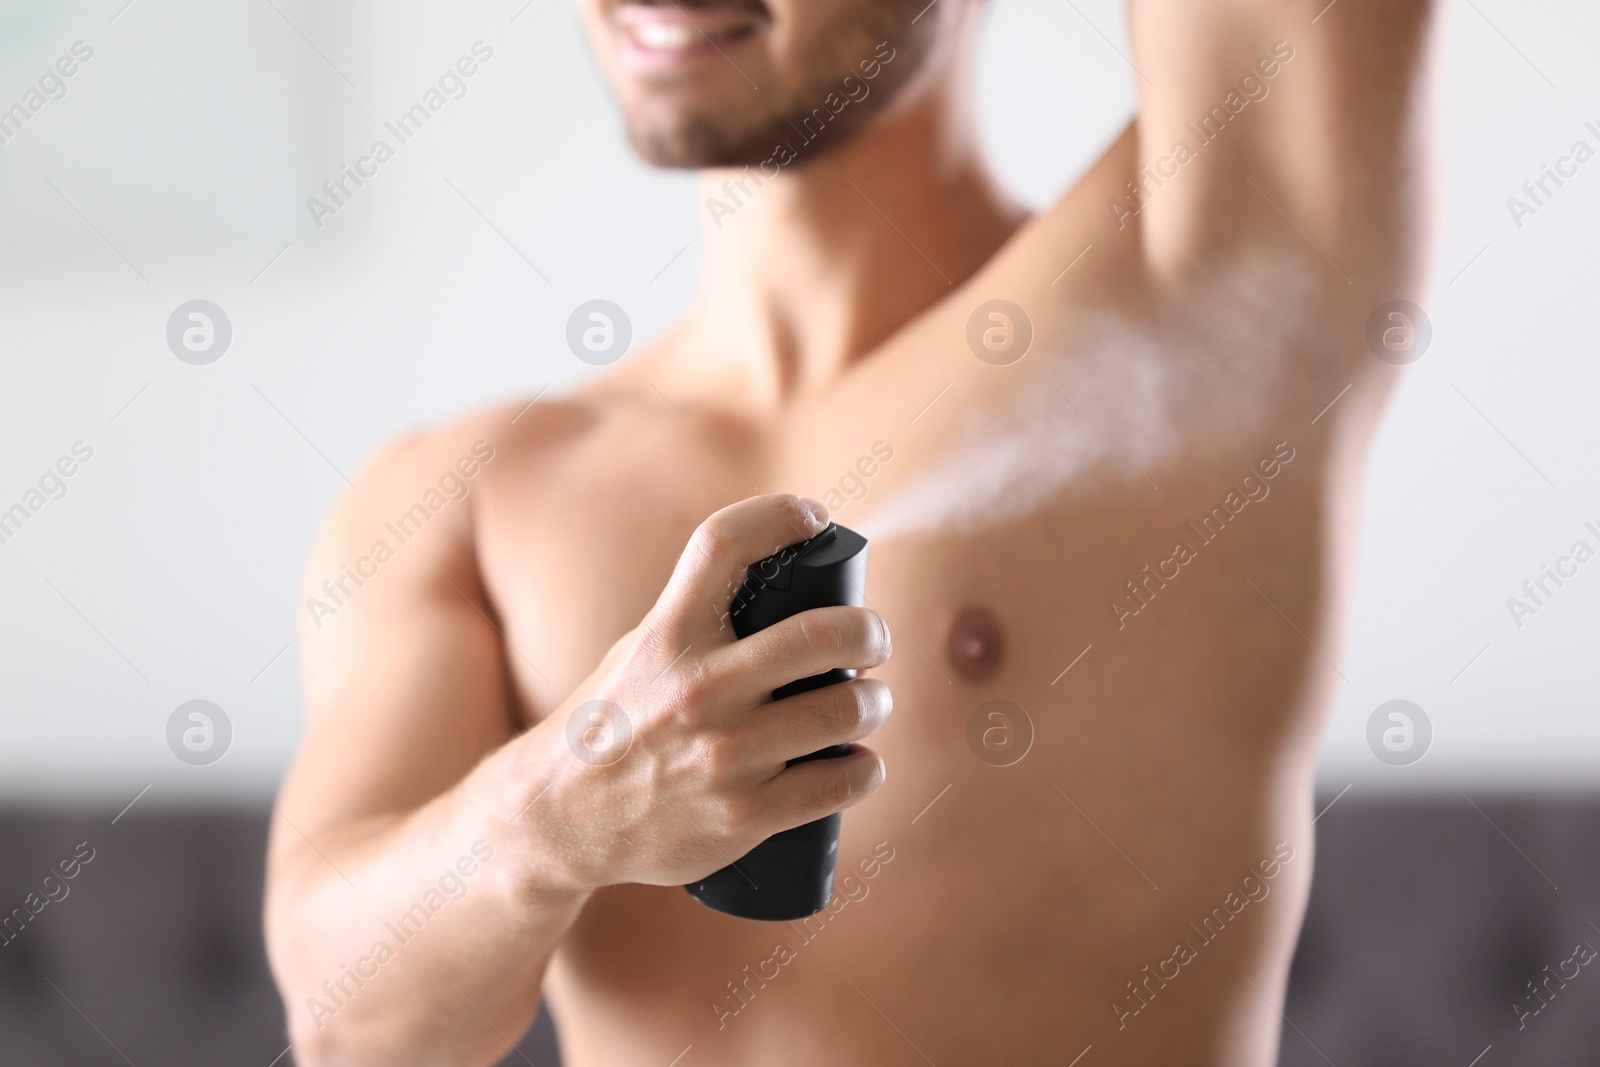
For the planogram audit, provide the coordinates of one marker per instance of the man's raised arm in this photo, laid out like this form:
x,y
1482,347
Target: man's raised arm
x,y
1260,118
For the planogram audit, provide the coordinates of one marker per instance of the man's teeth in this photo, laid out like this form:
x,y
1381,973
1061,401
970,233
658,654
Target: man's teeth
x,y
675,36
665,36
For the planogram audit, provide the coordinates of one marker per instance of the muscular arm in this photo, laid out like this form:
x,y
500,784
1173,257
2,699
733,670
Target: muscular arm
x,y
426,858
391,793
1302,116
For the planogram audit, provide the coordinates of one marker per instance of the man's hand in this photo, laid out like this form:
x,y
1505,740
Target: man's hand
x,y
405,764
669,761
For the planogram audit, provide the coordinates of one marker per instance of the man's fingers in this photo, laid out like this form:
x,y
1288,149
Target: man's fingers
x,y
810,643
695,603
806,722
820,787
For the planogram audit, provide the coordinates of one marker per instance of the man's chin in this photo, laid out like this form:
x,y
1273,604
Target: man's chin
x,y
699,146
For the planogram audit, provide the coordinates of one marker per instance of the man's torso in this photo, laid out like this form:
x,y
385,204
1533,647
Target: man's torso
x,y
1142,504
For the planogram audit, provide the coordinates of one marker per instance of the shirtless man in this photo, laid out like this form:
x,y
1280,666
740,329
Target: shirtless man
x,y
1122,501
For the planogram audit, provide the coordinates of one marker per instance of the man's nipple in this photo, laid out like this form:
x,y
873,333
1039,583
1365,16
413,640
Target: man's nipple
x,y
977,644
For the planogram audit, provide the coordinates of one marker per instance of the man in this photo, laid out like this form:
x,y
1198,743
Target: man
x,y
1109,458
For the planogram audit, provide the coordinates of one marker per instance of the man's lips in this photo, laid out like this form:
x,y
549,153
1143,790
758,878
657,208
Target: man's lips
x,y
655,36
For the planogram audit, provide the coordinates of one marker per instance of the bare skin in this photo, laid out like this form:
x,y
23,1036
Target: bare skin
x,y
997,915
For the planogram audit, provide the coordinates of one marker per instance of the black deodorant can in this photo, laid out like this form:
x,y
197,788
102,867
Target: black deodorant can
x,y
790,874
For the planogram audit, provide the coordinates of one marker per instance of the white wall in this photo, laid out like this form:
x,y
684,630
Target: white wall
x,y
177,167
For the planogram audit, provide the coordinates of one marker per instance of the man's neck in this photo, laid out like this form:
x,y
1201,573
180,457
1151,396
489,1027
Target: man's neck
x,y
817,267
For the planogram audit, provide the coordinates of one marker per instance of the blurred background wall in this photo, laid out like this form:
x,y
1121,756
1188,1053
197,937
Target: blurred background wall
x,y
176,162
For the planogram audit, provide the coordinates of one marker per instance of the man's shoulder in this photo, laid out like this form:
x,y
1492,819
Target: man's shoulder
x,y
444,472
526,432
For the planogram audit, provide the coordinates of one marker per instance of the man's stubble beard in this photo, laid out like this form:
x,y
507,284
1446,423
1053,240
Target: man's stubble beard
x,y
721,137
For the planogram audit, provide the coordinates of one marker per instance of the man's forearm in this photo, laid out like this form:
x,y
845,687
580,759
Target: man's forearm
x,y
418,938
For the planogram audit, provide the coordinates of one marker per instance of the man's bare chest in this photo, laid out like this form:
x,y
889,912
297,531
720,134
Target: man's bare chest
x,y
996,568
